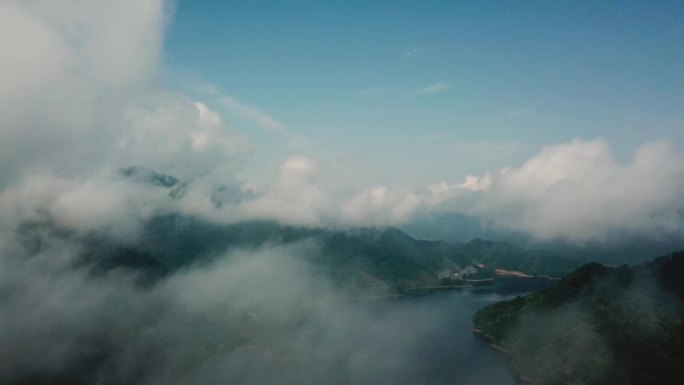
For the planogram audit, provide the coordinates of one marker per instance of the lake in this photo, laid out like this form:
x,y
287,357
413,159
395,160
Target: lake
x,y
445,350
425,339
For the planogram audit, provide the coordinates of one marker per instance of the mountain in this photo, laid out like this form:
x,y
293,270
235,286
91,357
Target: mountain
x,y
619,247
368,256
378,255
598,325
506,256
451,227
144,175
358,257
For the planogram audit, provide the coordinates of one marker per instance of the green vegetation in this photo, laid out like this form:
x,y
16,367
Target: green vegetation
x,y
360,257
598,325
509,257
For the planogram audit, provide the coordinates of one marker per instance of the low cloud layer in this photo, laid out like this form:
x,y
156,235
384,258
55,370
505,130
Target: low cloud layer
x,y
578,191
255,316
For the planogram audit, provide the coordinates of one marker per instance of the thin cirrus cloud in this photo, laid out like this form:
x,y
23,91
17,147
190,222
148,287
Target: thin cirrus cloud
x,y
254,114
435,88
489,149
373,90
246,111
258,117
410,53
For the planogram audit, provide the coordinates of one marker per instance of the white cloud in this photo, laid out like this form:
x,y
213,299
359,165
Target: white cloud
x,y
575,191
297,197
379,206
80,100
435,88
579,191
172,134
68,77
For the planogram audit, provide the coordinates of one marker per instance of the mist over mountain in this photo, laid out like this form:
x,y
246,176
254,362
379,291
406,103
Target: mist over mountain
x,y
330,203
624,248
194,301
598,325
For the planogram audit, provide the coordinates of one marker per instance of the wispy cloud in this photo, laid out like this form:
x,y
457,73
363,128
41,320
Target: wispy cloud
x,y
435,88
258,117
251,113
408,54
522,111
301,143
433,136
373,90
490,149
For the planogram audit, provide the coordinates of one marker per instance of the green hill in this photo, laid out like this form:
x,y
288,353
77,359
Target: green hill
x,y
383,256
505,256
598,325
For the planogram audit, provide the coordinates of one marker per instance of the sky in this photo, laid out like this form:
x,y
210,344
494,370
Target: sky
x,y
415,92
556,121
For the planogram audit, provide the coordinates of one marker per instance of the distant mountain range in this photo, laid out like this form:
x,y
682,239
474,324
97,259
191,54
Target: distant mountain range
x,y
383,256
621,248
359,256
423,252
598,325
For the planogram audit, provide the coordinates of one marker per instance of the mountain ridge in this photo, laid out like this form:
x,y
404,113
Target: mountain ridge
x,y
598,325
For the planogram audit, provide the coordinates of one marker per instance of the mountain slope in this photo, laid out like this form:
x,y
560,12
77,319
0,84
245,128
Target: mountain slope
x,y
598,325
505,256
358,255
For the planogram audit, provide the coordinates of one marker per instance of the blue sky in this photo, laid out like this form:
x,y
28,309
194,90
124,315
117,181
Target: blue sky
x,y
557,120
420,91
